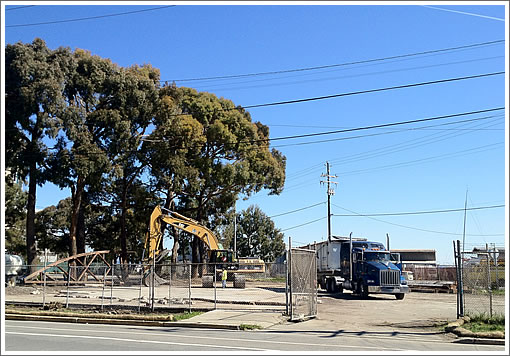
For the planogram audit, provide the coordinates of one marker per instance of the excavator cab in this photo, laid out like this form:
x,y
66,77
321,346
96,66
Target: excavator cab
x,y
223,259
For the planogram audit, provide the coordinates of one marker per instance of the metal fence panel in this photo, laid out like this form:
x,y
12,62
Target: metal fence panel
x,y
180,286
303,284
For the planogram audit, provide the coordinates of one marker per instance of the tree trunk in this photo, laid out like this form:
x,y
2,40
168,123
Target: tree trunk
x,y
123,233
32,187
77,199
80,233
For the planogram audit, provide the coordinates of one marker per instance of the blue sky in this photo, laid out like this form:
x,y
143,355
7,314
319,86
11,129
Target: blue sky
x,y
388,170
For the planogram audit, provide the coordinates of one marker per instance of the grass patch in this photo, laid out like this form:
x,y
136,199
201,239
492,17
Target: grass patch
x,y
249,327
186,315
483,323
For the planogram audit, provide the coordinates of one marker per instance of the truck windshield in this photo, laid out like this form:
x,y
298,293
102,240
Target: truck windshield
x,y
377,256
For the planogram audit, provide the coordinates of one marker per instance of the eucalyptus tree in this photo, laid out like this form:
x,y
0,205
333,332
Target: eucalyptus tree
x,y
34,100
223,155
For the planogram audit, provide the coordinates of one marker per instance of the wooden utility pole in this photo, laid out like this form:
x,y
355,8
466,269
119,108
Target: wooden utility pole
x,y
330,193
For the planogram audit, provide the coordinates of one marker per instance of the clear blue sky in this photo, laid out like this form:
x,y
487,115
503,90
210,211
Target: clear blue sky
x,y
389,172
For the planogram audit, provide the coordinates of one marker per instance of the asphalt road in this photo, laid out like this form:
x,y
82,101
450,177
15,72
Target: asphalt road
x,y
28,336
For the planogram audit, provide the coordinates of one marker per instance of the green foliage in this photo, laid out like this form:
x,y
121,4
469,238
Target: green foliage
x,y
249,327
52,227
257,235
110,126
483,322
186,315
15,215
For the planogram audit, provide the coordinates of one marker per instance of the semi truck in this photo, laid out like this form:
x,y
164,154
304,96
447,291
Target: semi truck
x,y
364,267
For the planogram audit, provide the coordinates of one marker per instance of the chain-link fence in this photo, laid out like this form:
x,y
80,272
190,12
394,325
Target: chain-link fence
x,y
303,284
137,286
483,282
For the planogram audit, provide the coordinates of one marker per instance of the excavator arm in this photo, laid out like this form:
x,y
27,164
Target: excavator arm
x,y
154,235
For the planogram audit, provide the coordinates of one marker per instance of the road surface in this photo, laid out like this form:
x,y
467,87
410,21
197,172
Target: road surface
x,y
28,336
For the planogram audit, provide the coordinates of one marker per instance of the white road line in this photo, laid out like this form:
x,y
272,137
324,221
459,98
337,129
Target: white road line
x,y
228,339
136,340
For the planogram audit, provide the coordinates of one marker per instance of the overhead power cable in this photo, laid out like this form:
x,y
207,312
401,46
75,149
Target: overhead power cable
x,y
338,64
306,223
381,125
421,212
293,211
19,7
414,228
368,91
89,18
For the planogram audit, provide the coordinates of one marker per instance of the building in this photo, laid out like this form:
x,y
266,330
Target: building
x,y
425,258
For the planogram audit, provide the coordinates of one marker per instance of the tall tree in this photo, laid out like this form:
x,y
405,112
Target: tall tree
x,y
81,159
231,156
34,82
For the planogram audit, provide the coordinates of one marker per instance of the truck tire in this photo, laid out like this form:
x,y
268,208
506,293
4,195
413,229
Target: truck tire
x,y
239,281
207,281
399,296
332,287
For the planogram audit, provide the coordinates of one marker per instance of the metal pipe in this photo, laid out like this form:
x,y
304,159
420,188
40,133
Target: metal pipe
x,y
189,288
111,287
350,257
44,285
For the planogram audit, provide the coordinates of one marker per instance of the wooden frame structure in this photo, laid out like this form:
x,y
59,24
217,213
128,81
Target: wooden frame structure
x,y
84,259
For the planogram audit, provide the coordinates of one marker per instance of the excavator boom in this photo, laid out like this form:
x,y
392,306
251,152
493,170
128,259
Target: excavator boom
x,y
154,235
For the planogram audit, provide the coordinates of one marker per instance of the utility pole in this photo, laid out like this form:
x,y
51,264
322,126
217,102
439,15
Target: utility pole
x,y
330,193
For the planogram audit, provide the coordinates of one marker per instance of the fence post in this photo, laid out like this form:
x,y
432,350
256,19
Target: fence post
x,y
460,257
111,286
140,289
44,283
104,283
489,287
214,284
189,287
68,281
153,277
457,275
170,282
289,266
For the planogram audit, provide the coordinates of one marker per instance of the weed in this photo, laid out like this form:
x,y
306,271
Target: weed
x,y
249,327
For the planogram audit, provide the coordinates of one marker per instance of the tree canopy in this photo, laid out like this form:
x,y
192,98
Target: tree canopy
x,y
122,144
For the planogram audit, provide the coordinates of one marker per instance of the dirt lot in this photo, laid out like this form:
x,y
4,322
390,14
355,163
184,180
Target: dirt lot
x,y
380,312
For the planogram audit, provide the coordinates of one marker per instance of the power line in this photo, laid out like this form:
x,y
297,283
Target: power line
x,y
368,91
414,228
293,211
369,135
226,86
19,7
307,223
338,64
383,125
422,212
90,18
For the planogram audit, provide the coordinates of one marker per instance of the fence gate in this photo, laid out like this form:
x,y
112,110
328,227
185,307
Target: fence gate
x,y
302,284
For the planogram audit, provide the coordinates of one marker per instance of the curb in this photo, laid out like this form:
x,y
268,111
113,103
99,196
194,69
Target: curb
x,y
480,341
80,320
468,337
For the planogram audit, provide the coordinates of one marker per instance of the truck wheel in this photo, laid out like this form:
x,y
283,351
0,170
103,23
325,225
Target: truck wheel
x,y
400,296
331,286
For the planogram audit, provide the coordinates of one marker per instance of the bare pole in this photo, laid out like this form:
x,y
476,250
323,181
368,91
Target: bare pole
x,y
330,192
464,233
44,285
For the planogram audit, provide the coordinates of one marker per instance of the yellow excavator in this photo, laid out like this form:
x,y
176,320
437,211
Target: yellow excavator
x,y
218,256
